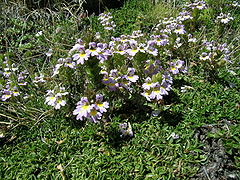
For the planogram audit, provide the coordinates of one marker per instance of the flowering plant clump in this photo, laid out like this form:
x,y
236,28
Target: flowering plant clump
x,y
118,68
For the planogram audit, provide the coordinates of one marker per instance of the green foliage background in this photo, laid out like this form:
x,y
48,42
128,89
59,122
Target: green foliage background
x,y
36,140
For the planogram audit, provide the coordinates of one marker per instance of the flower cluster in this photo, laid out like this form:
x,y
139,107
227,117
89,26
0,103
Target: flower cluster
x,y
106,21
80,54
172,31
130,46
184,15
169,32
197,5
214,52
114,80
178,66
169,26
155,90
11,71
91,111
224,18
12,80
63,62
159,81
9,92
22,76
56,98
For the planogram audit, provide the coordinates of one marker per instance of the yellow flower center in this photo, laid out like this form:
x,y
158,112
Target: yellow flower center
x,y
85,107
82,55
111,84
100,105
147,93
52,98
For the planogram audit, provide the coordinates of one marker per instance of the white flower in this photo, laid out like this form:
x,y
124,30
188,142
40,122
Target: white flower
x,y
224,18
191,38
178,43
205,56
97,35
38,79
56,99
174,136
49,53
56,69
51,98
59,103
39,33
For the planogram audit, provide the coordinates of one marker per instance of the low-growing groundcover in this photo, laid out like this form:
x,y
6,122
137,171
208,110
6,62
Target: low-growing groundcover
x,y
140,92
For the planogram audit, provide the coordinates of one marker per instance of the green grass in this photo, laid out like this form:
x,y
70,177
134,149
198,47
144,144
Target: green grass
x,y
37,142
92,152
